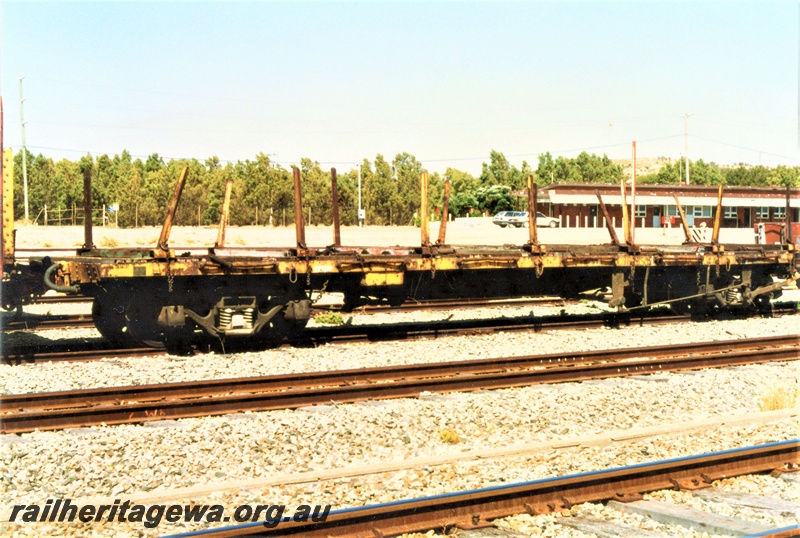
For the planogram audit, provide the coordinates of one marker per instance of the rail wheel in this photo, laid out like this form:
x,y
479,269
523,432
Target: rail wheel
x,y
141,318
108,315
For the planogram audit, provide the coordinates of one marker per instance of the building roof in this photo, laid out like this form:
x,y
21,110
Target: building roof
x,y
703,195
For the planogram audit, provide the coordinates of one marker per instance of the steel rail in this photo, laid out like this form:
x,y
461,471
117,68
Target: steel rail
x,y
92,352
373,332
217,387
41,323
45,411
477,508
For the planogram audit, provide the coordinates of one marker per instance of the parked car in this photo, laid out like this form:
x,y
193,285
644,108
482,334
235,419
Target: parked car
x,y
501,219
519,219
543,221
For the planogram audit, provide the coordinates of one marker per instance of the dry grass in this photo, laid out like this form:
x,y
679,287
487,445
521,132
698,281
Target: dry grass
x,y
449,436
778,397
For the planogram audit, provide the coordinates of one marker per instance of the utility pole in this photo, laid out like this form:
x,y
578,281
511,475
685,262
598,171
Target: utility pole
x,y
24,152
686,142
633,193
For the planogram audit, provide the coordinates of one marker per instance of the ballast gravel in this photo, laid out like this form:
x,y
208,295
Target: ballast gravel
x,y
122,461
109,372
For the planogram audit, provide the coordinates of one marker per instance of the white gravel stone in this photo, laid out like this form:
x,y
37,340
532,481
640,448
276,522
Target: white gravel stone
x,y
120,461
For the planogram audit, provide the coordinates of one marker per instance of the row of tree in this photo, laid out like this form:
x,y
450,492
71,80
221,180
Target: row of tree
x,y
263,190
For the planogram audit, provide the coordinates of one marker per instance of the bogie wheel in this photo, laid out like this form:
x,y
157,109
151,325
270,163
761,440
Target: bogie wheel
x,y
108,315
142,320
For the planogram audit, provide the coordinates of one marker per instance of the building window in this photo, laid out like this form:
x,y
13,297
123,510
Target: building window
x,y
762,213
702,211
671,211
641,211
779,213
730,212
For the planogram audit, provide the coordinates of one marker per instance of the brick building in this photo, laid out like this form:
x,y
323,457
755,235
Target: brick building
x,y
576,205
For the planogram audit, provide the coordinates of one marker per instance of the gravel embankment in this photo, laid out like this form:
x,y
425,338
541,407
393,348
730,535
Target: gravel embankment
x,y
218,453
121,461
70,376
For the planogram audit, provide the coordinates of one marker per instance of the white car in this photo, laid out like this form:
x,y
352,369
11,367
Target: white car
x,y
502,218
519,219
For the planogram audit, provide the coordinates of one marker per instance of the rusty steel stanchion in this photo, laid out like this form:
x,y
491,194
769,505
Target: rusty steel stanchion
x,y
686,231
166,229
423,209
88,244
445,214
717,218
626,223
299,223
337,238
223,219
533,231
609,225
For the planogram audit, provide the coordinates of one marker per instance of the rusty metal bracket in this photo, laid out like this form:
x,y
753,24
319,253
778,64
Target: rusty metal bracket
x,y
618,284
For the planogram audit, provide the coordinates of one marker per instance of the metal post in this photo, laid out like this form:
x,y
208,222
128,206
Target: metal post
x,y
7,190
88,244
533,237
423,209
609,224
223,219
717,218
687,233
166,229
7,220
299,225
633,196
24,152
337,238
686,142
445,214
626,225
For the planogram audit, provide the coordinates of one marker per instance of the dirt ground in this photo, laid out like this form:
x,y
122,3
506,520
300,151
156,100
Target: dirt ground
x,y
474,231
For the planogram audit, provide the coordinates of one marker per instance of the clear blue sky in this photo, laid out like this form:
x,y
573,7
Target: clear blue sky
x,y
444,81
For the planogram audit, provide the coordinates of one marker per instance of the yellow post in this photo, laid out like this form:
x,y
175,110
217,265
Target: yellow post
x,y
423,209
626,225
8,206
717,218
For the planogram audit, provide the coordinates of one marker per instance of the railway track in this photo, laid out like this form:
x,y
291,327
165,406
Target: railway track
x,y
119,405
476,509
96,349
73,321
52,351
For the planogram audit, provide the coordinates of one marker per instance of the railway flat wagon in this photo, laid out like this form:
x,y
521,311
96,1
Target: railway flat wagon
x,y
160,297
